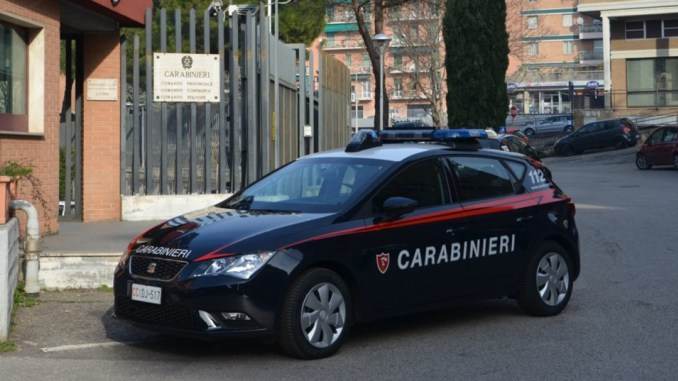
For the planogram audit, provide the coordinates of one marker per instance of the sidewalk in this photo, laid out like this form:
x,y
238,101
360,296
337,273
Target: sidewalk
x,y
84,256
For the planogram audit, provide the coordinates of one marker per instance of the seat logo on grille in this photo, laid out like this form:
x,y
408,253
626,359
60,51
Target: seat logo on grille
x,y
151,268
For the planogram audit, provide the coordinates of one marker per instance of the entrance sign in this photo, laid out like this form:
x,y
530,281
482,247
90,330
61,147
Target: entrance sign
x,y
179,77
102,89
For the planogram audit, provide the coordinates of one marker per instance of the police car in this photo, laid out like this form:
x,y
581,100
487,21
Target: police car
x,y
398,222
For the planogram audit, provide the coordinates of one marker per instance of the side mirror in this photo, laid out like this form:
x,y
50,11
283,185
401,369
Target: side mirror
x,y
395,207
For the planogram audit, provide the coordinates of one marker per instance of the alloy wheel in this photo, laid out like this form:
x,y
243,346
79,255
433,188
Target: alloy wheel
x,y
553,279
323,315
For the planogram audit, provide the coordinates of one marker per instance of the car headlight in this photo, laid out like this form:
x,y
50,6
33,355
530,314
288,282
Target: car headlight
x,y
239,266
123,259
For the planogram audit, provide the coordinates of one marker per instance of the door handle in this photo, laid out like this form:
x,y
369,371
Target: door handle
x,y
524,218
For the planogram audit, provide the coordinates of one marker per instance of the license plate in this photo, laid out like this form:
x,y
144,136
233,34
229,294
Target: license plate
x,y
146,294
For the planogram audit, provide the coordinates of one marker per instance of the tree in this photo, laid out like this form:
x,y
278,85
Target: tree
x,y
360,9
302,21
418,29
476,46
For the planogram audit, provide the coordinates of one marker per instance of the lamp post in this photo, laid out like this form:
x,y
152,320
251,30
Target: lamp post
x,y
381,41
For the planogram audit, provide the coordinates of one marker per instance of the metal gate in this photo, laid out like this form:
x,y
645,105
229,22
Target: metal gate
x,y
187,148
70,132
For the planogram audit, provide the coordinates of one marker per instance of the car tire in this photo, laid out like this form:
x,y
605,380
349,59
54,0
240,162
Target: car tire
x,y
529,132
548,282
310,325
568,129
642,163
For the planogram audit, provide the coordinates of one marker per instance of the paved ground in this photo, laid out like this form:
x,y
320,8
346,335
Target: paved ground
x,y
622,322
111,237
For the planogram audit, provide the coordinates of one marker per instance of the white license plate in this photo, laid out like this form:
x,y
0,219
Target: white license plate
x,y
146,294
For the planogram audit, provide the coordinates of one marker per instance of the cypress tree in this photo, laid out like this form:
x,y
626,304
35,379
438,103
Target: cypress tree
x,y
476,59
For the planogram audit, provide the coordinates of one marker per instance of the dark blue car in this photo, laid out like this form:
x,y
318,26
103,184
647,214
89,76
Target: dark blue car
x,y
396,223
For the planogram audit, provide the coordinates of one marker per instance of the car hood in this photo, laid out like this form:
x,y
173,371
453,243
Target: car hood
x,y
193,235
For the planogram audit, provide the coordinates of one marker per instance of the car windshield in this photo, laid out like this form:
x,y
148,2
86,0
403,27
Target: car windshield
x,y
309,186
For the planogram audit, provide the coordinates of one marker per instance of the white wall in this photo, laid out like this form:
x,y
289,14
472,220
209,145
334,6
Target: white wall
x,y
9,272
151,208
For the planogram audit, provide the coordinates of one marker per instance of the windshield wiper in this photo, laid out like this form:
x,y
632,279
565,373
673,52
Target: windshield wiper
x,y
243,204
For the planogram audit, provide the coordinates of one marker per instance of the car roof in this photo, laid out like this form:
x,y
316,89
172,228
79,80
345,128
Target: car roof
x,y
402,151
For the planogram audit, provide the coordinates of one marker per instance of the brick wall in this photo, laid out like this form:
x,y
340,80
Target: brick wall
x,y
101,135
41,152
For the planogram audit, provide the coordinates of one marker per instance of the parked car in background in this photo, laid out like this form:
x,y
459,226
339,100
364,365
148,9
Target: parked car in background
x,y
660,148
617,133
552,124
516,132
515,144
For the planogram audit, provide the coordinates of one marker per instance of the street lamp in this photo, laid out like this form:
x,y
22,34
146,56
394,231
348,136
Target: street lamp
x,y
381,41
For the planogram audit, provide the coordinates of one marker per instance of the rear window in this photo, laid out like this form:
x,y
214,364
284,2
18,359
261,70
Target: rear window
x,y
517,168
481,178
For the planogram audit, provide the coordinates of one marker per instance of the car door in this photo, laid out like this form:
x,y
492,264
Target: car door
x,y
665,147
402,265
653,146
494,240
581,138
545,125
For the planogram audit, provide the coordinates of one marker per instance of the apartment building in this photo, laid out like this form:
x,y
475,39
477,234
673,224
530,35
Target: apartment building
x,y
553,44
414,61
640,52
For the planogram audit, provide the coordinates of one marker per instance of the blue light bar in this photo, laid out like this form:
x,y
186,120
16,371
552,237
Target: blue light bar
x,y
455,138
456,134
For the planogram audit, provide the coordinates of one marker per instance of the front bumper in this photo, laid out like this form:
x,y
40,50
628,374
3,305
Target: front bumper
x,y
183,300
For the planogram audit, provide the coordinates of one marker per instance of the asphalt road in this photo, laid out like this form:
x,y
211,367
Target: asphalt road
x,y
622,321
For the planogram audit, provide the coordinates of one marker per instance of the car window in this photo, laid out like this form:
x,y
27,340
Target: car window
x,y
517,168
480,178
656,136
611,124
671,135
309,185
423,182
586,129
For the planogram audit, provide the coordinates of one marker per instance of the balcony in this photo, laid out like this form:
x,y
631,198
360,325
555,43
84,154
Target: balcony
x,y
345,17
344,45
398,95
361,70
591,32
590,58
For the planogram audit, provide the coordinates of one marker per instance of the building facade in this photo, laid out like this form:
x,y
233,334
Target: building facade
x,y
414,61
640,50
552,45
33,105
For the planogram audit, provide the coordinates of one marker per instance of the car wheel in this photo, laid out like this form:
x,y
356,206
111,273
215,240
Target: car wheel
x,y
315,317
568,129
642,163
547,285
529,132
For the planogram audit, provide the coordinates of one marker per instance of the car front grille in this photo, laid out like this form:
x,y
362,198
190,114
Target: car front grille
x,y
155,268
162,315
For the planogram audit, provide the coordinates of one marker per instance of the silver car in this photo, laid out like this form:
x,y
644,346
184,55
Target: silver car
x,y
552,124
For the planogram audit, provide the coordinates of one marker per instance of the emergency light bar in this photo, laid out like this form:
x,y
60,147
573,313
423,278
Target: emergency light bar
x,y
455,138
